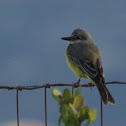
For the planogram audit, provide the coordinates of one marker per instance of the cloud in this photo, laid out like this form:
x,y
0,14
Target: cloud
x,y
23,123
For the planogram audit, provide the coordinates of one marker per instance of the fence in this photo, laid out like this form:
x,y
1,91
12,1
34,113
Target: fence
x,y
20,88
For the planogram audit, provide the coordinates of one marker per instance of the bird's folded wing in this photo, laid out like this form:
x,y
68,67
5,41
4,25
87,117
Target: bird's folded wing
x,y
89,68
94,71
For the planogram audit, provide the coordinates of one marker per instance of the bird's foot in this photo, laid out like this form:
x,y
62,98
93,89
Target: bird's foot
x,y
77,84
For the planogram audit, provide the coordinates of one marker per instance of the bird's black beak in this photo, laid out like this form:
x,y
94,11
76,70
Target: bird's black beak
x,y
67,38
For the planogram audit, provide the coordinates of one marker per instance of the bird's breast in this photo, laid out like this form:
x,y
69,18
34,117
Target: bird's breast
x,y
74,64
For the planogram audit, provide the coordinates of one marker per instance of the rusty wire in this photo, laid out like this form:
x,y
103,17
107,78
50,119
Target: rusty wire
x,y
52,85
45,109
17,109
101,113
48,86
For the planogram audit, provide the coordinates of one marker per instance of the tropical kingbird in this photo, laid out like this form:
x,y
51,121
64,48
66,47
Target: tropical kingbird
x,y
84,59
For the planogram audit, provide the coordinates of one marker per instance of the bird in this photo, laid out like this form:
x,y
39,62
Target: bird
x,y
84,59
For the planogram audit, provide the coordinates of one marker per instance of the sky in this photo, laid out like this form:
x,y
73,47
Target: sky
x,y
32,53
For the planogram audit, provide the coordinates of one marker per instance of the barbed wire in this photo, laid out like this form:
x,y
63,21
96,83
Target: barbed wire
x,y
20,88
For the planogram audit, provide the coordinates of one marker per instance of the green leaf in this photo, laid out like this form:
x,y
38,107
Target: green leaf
x,y
63,119
92,116
72,110
72,121
59,121
64,112
57,95
78,100
63,109
83,113
78,91
67,95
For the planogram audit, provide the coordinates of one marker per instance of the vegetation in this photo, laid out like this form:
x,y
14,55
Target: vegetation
x,y
72,108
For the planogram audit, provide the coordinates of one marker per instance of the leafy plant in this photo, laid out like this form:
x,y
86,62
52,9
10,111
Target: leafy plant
x,y
72,109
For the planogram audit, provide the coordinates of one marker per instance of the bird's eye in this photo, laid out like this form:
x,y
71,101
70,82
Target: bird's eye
x,y
79,37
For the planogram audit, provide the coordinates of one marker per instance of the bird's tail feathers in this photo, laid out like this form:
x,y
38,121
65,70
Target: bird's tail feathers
x,y
110,98
103,93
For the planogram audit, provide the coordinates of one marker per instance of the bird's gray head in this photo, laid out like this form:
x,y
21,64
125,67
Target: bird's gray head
x,y
79,35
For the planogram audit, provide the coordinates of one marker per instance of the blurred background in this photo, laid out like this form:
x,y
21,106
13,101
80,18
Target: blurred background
x,y
32,53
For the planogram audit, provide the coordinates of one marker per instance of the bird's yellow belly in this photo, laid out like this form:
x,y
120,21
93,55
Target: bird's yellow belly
x,y
74,67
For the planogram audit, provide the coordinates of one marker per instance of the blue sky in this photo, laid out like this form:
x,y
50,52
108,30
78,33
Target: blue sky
x,y
32,53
